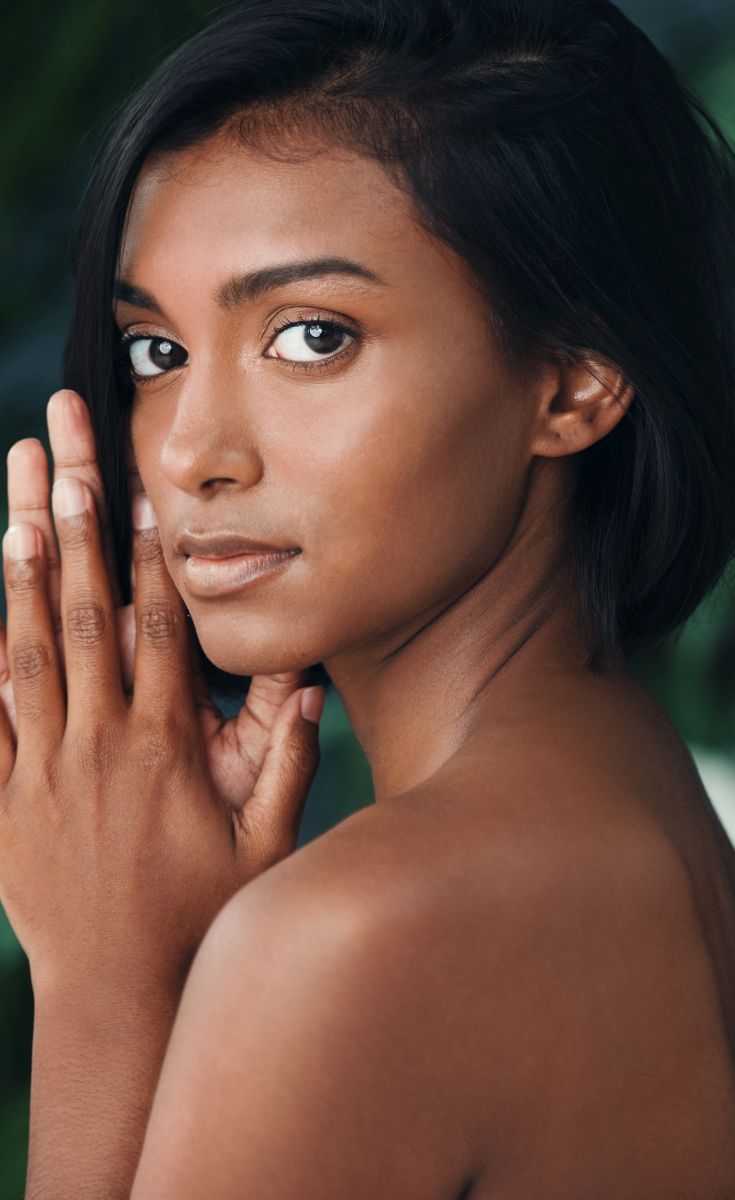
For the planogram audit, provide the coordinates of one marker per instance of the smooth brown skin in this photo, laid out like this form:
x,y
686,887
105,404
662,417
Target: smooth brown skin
x,y
130,810
492,982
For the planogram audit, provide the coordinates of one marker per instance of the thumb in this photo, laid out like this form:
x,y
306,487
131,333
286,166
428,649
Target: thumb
x,y
268,822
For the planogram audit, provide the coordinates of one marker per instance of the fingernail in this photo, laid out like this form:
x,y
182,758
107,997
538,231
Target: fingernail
x,y
312,703
21,542
69,498
143,514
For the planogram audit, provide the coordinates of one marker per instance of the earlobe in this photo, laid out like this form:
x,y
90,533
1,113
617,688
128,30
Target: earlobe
x,y
580,403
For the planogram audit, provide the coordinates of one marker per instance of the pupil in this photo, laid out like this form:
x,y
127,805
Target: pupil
x,y
163,353
325,344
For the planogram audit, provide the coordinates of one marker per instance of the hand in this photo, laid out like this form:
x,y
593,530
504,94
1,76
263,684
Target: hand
x,y
235,748
126,821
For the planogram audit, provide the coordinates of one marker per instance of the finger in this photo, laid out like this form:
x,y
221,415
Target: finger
x,y
29,500
125,617
31,644
93,675
8,724
29,495
74,452
268,693
163,666
250,730
7,696
6,684
135,483
266,696
268,824
211,718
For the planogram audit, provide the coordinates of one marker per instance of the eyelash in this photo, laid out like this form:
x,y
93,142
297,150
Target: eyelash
x,y
122,357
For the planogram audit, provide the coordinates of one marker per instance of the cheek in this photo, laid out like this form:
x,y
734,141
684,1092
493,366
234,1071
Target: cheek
x,y
144,443
420,500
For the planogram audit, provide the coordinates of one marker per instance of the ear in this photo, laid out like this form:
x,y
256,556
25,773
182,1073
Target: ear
x,y
580,401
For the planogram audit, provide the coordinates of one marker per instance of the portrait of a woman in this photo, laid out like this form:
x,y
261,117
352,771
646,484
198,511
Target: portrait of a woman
x,y
401,363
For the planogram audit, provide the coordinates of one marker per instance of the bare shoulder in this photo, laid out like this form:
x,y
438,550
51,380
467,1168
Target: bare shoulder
x,y
456,985
544,961
304,1060
597,1032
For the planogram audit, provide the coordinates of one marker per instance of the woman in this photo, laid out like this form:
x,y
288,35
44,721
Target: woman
x,y
420,315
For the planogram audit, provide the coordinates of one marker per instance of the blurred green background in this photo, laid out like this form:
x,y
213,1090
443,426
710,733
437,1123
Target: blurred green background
x,y
65,69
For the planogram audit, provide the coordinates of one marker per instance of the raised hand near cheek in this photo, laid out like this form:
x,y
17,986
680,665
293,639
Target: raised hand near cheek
x,y
74,456
127,821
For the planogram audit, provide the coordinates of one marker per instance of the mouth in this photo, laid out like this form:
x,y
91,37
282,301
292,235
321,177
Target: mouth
x,y
214,575
223,545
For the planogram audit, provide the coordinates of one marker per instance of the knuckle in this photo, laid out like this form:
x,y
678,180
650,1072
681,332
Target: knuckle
x,y
77,533
159,622
289,764
94,751
29,660
46,773
22,576
147,548
86,623
162,739
156,749
296,761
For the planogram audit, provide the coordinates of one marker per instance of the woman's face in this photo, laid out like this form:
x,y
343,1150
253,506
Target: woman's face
x,y
391,452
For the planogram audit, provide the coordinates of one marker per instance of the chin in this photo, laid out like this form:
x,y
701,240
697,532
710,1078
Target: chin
x,y
251,659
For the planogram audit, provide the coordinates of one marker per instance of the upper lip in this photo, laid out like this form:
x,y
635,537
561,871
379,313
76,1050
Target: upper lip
x,y
224,545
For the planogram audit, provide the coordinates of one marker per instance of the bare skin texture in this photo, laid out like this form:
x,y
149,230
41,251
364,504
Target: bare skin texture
x,y
495,982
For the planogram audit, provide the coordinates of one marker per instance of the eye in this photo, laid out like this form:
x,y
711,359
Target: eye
x,y
148,357
307,341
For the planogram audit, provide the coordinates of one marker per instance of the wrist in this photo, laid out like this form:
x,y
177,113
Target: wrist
x,y
97,1055
94,1004
93,984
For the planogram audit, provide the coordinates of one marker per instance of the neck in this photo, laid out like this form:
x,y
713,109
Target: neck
x,y
476,660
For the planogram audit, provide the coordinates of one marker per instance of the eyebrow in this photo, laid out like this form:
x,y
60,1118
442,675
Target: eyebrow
x,y
245,289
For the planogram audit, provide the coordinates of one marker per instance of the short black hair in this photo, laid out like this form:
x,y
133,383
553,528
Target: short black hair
x,y
589,190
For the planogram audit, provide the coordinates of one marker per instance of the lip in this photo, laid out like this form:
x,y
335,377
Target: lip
x,y
224,545
217,576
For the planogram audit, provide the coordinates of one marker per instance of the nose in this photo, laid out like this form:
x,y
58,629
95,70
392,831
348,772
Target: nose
x,y
207,447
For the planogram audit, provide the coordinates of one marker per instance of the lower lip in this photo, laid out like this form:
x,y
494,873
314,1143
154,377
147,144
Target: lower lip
x,y
213,576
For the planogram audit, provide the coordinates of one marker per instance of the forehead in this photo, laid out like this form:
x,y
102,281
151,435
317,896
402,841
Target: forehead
x,y
220,205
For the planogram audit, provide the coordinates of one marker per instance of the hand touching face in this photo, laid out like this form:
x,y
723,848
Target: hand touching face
x,y
128,815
